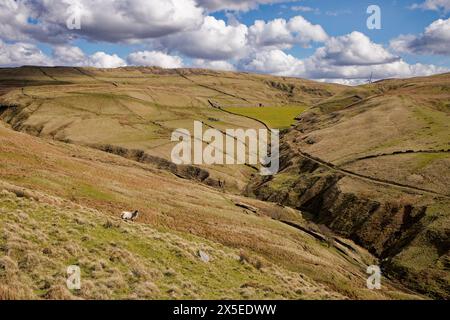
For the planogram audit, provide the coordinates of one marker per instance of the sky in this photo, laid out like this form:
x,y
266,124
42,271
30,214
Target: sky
x,y
323,40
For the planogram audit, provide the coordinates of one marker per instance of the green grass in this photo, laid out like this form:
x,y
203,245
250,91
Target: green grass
x,y
125,260
427,158
274,117
435,125
283,181
91,192
337,104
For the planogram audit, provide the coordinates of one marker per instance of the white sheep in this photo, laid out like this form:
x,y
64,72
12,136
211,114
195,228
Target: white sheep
x,y
126,215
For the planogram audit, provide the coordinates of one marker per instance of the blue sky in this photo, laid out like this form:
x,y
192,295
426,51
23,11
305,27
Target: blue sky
x,y
336,17
322,39
344,16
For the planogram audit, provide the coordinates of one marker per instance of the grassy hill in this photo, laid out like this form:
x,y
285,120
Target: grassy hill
x,y
367,165
60,205
375,168
139,108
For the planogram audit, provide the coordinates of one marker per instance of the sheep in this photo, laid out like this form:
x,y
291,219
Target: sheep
x,y
126,215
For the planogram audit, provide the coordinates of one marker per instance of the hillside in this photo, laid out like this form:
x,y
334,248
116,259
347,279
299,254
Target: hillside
x,y
369,162
376,169
60,204
139,108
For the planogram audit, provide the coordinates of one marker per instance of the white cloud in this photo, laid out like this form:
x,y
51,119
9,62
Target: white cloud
x,y
104,20
176,29
434,5
214,65
176,25
104,60
19,54
355,56
274,61
14,17
354,49
397,69
217,40
347,82
66,55
349,59
154,58
280,33
214,40
236,5
305,31
272,33
435,40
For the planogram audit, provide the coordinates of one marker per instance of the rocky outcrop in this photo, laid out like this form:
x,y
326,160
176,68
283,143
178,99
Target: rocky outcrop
x,y
14,115
381,227
183,171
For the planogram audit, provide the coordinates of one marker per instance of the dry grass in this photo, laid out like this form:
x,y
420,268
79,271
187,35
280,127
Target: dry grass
x,y
157,257
139,108
120,260
82,191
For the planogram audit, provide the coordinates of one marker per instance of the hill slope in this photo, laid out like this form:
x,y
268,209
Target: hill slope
x,y
59,207
377,170
370,162
139,108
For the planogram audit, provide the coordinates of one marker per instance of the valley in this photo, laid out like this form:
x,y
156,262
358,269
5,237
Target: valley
x,y
363,180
